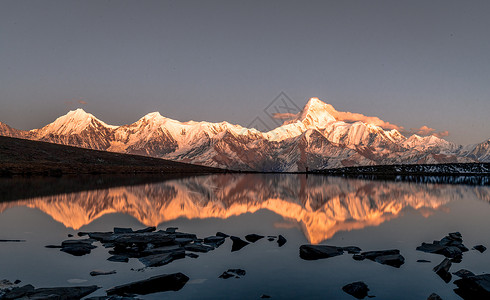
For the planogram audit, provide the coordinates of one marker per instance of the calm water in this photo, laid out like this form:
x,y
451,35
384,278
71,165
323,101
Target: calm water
x,y
373,215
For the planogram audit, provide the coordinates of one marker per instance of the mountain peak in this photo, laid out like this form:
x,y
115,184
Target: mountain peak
x,y
153,115
316,113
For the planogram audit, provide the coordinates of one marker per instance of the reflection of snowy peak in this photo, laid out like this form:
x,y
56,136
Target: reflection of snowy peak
x,y
321,205
312,139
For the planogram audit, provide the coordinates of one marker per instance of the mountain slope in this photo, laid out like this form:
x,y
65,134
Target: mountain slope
x,y
312,139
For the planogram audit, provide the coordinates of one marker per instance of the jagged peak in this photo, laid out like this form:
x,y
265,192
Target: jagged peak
x,y
316,113
153,115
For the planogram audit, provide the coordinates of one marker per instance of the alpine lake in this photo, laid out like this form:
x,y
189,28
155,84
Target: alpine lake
x,y
272,214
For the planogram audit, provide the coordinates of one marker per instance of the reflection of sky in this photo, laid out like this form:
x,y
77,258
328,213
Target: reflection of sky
x,y
271,270
319,205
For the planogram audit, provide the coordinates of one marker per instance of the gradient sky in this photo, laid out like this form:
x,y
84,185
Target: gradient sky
x,y
412,64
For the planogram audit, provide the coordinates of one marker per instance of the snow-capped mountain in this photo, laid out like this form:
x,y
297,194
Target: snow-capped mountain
x,y
312,139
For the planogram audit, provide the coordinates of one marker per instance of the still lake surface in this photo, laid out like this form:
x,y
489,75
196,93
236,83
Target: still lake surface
x,y
373,215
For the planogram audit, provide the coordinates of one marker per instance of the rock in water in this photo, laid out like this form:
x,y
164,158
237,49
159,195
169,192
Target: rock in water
x,y
238,243
442,270
463,273
237,273
156,284
450,246
281,241
357,289
253,237
434,296
386,257
100,272
221,234
474,287
161,259
214,241
480,248
313,252
18,292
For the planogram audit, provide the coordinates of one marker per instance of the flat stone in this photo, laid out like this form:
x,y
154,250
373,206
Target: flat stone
x,y
394,260
147,229
423,261
171,229
192,255
214,241
118,258
357,289
474,287
219,233
78,247
480,248
101,272
281,241
463,273
198,248
161,259
430,248
156,284
442,270
358,257
313,252
238,243
253,237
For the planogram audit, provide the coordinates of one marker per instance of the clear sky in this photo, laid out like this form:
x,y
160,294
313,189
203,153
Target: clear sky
x,y
410,63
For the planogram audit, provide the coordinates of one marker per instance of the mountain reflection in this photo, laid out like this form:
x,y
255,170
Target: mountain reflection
x,y
321,205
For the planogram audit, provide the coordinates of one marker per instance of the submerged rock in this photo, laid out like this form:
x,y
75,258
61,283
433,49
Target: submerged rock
x,y
101,272
237,273
118,258
434,296
442,270
463,273
281,241
253,237
357,289
18,292
313,252
473,287
480,248
156,284
78,247
238,243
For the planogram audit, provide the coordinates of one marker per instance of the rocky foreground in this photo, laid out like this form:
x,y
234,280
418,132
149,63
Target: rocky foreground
x,y
157,248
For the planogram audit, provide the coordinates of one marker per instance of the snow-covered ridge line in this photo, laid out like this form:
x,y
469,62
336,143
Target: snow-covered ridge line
x,y
313,139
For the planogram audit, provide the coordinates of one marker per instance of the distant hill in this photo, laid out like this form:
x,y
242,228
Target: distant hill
x,y
26,157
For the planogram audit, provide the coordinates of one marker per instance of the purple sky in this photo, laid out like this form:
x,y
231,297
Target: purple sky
x,y
410,63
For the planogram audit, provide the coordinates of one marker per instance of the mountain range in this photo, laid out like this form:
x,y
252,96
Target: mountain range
x,y
312,139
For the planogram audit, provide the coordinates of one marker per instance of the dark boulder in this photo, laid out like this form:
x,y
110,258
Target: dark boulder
x,y
480,248
313,252
253,237
122,230
238,243
442,270
78,247
18,292
357,289
281,241
474,287
156,284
